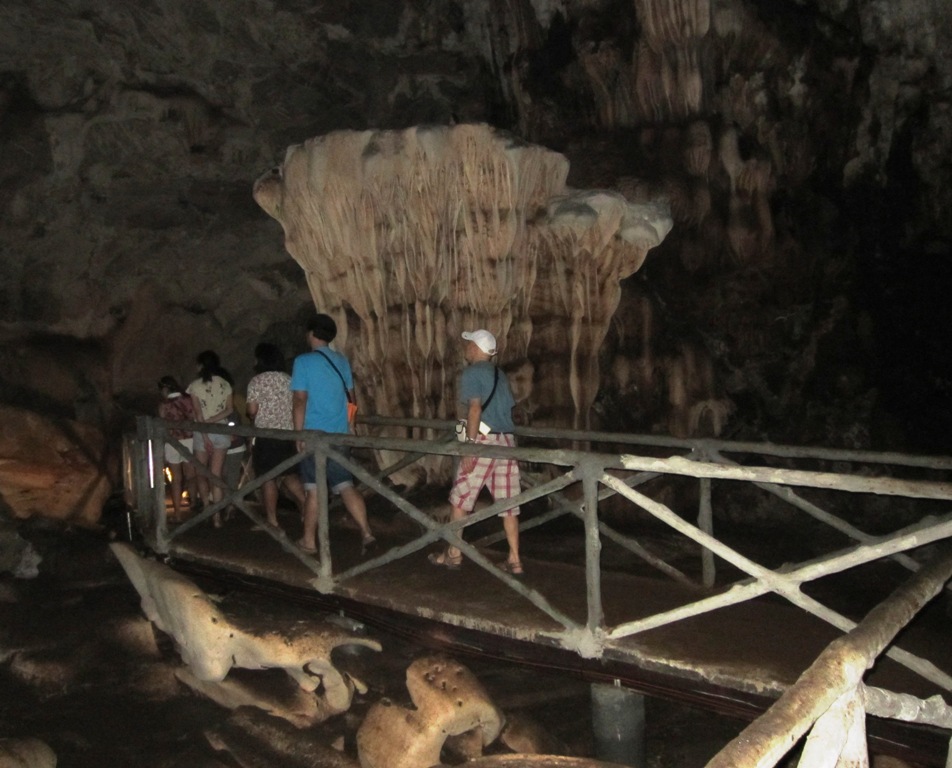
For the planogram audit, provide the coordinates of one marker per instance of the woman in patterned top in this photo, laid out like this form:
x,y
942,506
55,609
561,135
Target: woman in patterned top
x,y
212,400
269,405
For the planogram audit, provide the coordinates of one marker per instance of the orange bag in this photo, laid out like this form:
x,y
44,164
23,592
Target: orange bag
x,y
351,412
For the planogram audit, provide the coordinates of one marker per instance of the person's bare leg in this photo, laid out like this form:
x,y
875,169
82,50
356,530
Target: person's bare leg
x,y
510,524
216,463
269,496
456,513
201,481
355,505
310,520
293,487
176,470
191,484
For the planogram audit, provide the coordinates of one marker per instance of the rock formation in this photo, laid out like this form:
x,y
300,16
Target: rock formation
x,y
448,700
50,467
26,753
410,237
211,644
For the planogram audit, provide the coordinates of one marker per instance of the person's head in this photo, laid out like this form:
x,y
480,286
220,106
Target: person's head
x,y
169,386
208,365
269,358
322,328
481,345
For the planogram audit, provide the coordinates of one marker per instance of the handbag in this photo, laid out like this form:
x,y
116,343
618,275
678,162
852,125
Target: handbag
x,y
351,404
461,433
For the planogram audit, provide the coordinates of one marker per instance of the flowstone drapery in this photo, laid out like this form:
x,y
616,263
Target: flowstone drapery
x,y
410,237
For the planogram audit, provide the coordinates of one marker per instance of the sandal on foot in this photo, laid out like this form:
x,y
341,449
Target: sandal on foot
x,y
445,560
304,548
368,544
513,569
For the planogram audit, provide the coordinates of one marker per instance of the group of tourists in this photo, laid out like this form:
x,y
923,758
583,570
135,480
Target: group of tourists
x,y
318,395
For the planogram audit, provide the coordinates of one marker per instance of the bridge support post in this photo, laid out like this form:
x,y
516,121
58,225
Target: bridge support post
x,y
618,721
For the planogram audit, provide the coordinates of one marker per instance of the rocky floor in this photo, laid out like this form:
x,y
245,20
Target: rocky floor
x,y
82,670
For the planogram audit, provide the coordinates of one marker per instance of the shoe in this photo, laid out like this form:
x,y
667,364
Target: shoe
x,y
368,544
445,560
304,548
513,569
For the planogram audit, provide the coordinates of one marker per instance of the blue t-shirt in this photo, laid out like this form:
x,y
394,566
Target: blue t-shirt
x,y
326,408
477,381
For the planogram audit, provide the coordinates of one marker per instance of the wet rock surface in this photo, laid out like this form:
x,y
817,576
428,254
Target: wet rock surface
x,y
84,672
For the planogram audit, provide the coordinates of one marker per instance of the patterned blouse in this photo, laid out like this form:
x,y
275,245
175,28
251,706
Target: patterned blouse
x,y
212,395
271,390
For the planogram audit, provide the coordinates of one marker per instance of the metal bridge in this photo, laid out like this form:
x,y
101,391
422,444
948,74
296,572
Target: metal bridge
x,y
793,638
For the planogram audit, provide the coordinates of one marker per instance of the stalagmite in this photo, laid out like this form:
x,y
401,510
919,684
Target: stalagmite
x,y
410,237
448,701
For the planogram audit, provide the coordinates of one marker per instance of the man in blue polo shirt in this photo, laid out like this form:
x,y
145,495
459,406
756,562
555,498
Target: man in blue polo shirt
x,y
321,383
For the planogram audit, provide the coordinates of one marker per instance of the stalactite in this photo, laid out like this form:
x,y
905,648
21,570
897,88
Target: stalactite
x,y
697,149
422,233
673,21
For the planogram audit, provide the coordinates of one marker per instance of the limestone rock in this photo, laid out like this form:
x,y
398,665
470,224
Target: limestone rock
x,y
410,237
17,555
535,761
279,698
523,735
26,753
51,467
448,701
257,741
211,644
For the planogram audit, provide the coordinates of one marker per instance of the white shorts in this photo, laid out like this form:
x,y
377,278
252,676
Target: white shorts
x,y
216,440
172,456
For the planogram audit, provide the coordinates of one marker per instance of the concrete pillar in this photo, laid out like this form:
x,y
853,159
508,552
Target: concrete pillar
x,y
618,721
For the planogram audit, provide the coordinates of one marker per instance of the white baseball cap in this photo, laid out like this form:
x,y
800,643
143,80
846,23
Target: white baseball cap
x,y
482,339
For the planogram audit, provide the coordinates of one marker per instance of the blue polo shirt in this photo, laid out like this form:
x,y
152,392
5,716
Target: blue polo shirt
x,y
326,408
477,381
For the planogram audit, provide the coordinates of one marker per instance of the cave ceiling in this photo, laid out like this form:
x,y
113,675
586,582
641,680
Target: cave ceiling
x,y
803,148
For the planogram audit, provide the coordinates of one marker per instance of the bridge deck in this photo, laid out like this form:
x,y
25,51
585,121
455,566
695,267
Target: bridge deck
x,y
750,651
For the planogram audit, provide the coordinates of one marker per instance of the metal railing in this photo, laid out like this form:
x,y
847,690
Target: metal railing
x,y
599,475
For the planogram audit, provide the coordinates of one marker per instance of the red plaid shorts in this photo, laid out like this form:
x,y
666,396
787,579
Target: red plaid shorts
x,y
500,476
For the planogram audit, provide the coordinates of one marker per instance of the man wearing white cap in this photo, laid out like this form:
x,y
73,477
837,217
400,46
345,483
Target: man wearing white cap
x,y
487,402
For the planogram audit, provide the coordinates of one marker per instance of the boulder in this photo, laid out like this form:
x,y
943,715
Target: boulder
x,y
51,467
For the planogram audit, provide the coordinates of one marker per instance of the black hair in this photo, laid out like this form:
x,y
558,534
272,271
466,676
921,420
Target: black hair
x,y
323,327
211,366
169,383
269,358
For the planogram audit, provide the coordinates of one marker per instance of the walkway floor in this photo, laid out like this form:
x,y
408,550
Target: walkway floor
x,y
737,659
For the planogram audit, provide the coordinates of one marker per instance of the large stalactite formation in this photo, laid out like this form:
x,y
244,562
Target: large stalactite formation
x,y
410,237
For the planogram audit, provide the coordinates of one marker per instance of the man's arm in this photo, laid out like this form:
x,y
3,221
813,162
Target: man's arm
x,y
298,406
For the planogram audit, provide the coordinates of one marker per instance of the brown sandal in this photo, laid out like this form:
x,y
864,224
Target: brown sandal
x,y
445,560
513,569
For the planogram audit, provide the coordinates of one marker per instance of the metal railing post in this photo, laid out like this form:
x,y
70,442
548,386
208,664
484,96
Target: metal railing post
x,y
705,521
593,549
323,510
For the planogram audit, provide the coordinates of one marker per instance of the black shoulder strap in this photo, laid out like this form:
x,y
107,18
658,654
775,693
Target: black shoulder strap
x,y
493,392
340,375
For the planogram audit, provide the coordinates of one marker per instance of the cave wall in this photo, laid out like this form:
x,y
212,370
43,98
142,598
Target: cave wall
x,y
803,147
